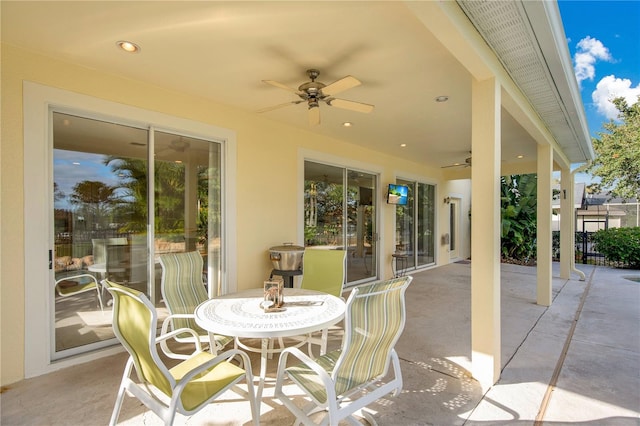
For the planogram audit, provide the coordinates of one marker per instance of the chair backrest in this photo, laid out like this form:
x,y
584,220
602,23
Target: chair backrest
x,y
374,320
100,247
135,324
324,270
182,287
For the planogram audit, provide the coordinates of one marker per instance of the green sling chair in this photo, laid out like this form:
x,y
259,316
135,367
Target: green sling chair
x,y
346,380
186,388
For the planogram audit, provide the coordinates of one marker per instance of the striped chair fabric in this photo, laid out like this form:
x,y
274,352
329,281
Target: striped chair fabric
x,y
183,290
188,386
374,321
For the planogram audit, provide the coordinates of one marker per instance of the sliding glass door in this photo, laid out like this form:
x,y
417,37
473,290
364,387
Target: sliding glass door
x,y
340,213
415,225
106,175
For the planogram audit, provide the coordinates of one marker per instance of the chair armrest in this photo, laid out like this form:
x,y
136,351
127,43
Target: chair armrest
x,y
297,353
223,357
167,321
164,336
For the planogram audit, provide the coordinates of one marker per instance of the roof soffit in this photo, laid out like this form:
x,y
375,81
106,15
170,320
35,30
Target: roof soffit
x,y
528,40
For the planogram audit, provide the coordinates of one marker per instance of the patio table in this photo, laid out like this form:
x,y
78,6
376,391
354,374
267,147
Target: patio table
x,y
241,315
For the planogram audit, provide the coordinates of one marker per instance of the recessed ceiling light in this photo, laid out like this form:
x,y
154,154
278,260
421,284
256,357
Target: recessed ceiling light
x,y
442,98
520,156
128,46
347,124
403,145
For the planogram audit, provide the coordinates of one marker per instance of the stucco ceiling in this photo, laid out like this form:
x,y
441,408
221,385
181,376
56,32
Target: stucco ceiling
x,y
223,50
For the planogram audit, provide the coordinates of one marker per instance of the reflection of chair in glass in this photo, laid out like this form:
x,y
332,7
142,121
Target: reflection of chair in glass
x,y
350,378
323,270
76,284
183,290
100,253
185,388
117,262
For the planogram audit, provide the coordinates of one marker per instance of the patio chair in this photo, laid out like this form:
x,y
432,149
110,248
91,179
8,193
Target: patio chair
x,y
183,290
323,270
79,283
346,380
185,388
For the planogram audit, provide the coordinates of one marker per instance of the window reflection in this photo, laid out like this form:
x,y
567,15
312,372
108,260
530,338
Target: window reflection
x,y
101,218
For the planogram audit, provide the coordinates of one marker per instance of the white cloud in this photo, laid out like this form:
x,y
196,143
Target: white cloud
x,y
589,50
609,88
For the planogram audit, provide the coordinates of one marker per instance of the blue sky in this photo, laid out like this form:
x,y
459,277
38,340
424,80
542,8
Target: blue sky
x,y
604,43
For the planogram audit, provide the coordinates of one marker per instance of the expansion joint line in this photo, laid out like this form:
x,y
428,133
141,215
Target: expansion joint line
x,y
556,373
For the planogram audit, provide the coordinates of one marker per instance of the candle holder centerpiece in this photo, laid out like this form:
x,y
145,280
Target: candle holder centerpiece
x,y
273,295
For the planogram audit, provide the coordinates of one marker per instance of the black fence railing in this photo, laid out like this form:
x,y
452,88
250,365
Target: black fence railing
x,y
586,252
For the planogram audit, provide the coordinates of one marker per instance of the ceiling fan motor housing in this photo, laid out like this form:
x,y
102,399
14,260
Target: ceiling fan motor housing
x,y
312,93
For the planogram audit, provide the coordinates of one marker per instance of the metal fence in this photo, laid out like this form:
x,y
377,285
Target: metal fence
x,y
586,252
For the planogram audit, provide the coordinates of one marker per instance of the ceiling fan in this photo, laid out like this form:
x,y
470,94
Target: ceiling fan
x,y
313,92
174,148
467,163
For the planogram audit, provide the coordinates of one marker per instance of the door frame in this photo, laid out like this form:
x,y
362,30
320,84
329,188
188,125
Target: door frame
x,y
332,160
454,228
38,102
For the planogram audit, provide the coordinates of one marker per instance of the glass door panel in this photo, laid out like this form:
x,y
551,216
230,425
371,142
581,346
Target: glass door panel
x,y
405,223
99,192
340,213
361,226
101,222
324,205
426,214
415,224
188,202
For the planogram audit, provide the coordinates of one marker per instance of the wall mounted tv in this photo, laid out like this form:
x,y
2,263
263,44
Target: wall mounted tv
x,y
397,194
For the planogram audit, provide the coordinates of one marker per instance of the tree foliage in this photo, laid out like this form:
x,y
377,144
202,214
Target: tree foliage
x,y
617,161
519,217
619,245
94,201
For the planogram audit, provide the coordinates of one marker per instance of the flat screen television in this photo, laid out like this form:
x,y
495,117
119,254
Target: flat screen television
x,y
397,194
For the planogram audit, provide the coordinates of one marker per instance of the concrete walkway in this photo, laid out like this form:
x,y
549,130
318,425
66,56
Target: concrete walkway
x,y
575,362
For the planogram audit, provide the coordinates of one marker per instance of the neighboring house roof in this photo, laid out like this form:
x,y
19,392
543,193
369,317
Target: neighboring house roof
x,y
605,198
578,195
599,211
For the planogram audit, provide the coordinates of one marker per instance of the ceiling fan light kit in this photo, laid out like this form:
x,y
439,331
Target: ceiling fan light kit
x,y
467,163
313,92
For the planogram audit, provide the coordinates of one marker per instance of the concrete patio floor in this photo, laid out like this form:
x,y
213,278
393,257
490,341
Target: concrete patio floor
x,y
575,362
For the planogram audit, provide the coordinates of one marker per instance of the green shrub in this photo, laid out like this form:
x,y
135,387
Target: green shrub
x,y
619,245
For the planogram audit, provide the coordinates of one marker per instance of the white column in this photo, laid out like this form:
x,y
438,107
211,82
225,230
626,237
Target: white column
x,y
190,204
545,170
567,246
485,232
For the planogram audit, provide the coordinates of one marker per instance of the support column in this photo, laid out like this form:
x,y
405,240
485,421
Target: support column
x,y
485,232
543,237
566,218
190,205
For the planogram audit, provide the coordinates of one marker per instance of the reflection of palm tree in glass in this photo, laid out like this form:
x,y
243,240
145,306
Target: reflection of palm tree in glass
x,y
132,210
95,201
169,196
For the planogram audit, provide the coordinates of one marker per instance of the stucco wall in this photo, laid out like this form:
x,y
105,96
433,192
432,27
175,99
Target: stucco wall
x,y
261,145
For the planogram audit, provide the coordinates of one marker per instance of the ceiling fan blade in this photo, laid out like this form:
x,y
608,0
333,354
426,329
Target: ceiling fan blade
x,y
280,85
271,108
341,85
453,165
350,105
314,116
